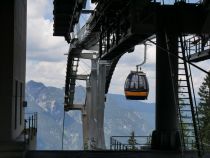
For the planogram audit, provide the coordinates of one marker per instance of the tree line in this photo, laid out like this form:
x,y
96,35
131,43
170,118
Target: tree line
x,y
204,111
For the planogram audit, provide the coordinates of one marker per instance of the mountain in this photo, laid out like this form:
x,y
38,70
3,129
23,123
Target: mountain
x,y
121,117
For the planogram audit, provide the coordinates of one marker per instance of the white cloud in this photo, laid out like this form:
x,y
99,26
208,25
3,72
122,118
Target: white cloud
x,y
40,8
50,73
45,54
41,44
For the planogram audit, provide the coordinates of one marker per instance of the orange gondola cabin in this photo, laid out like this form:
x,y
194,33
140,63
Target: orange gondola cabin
x,y
136,86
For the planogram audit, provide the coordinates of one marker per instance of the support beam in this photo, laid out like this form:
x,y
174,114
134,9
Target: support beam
x,y
86,128
95,98
85,55
74,107
82,77
200,56
166,135
86,11
93,106
101,99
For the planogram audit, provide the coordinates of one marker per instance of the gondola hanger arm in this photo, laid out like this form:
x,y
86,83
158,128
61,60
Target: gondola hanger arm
x,y
138,67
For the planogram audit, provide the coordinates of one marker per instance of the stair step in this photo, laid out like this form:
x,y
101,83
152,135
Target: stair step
x,y
185,110
187,117
184,104
191,135
189,129
187,123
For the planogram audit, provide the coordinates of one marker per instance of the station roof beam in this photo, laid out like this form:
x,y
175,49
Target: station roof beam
x,y
66,15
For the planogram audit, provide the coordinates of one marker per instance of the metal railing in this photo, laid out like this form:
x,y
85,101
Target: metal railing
x,y
196,44
177,1
127,143
30,126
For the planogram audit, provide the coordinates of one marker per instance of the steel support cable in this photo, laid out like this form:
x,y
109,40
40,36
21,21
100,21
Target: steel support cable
x,y
168,51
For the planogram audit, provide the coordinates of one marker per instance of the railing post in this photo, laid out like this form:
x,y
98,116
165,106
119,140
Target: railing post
x,y
110,143
29,128
25,121
192,144
32,126
115,144
36,120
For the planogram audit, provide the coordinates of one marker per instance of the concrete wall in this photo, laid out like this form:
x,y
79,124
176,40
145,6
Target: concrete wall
x,y
12,66
19,65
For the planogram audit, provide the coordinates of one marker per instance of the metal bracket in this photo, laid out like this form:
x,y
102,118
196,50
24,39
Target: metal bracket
x,y
85,55
82,77
68,107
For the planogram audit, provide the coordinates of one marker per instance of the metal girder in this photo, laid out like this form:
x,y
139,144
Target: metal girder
x,y
69,12
181,18
200,56
68,107
206,26
82,77
86,11
85,55
123,46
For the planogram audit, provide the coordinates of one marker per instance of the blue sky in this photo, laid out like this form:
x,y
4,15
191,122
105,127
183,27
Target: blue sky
x,y
46,61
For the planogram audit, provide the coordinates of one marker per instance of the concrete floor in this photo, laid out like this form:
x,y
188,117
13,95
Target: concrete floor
x,y
108,154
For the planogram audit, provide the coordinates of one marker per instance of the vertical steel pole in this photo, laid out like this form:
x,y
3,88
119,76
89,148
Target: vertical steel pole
x,y
166,135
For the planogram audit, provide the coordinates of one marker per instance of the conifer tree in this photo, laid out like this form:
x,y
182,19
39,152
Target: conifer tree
x,y
204,110
132,141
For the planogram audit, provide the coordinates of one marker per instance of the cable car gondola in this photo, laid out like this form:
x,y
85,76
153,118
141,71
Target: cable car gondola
x,y
136,85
